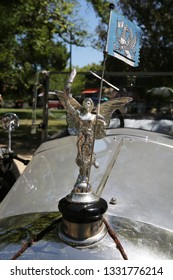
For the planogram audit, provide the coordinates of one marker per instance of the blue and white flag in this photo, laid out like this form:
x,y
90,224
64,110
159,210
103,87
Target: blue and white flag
x,y
124,39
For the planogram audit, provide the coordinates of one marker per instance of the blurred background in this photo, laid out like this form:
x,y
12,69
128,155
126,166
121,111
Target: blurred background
x,y
42,41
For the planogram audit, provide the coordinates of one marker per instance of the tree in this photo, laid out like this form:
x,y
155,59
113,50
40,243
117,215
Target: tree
x,y
82,80
33,38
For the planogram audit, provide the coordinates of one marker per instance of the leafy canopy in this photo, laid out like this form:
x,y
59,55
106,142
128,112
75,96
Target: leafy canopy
x,y
33,38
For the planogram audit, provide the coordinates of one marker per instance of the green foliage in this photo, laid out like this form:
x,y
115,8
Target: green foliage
x,y
101,7
33,38
82,80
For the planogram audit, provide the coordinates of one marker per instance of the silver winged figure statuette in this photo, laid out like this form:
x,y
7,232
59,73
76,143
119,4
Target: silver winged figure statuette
x,y
88,126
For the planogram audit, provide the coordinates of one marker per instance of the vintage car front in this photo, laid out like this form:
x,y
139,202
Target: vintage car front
x,y
105,193
128,213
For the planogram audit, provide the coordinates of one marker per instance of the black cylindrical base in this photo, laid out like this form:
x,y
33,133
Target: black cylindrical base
x,y
82,223
82,212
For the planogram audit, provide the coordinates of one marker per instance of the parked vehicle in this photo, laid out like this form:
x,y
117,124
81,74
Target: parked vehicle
x,y
9,171
124,212
53,101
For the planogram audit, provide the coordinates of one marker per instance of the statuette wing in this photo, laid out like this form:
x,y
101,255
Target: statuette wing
x,y
66,100
107,108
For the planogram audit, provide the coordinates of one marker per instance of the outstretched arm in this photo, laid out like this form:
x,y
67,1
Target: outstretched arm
x,y
70,104
67,88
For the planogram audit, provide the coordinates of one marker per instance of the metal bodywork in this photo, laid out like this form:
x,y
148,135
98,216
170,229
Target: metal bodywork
x,y
134,177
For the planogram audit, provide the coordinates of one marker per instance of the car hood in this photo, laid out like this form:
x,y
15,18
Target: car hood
x,y
134,177
35,237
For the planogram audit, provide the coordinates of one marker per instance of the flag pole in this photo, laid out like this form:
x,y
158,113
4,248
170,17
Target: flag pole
x,y
111,7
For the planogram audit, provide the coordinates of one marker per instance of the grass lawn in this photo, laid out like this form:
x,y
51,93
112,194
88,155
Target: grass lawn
x,y
23,141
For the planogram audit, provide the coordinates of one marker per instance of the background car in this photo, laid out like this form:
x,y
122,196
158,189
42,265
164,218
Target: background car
x,y
53,100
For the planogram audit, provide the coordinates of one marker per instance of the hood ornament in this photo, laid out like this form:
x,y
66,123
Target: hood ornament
x,y
82,208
